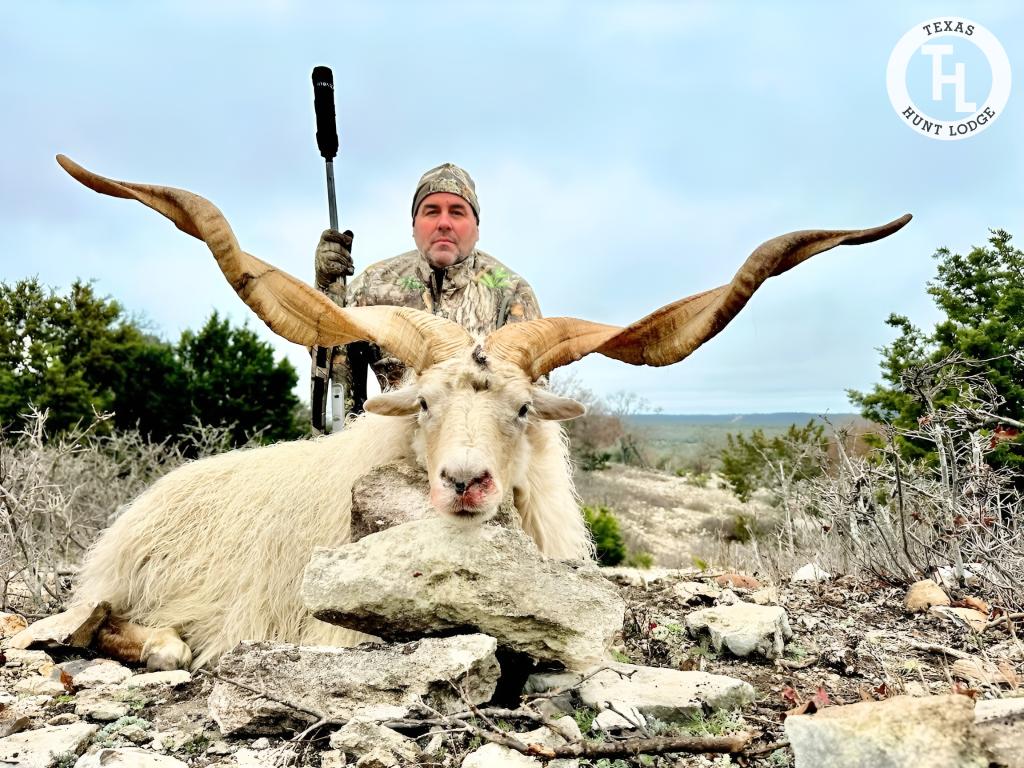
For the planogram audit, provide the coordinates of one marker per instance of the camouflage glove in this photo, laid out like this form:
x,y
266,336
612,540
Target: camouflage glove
x,y
333,257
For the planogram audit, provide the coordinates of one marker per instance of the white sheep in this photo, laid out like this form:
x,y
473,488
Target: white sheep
x,y
213,553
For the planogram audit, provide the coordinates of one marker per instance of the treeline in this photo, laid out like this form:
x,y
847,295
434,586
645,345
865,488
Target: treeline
x,y
75,354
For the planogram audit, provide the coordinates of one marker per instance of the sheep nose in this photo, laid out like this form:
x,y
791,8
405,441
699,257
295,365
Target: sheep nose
x,y
460,481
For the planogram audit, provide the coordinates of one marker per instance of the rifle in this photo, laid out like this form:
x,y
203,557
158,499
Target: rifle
x,y
327,143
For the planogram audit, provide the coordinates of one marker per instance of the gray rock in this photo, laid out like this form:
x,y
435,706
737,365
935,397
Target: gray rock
x,y
359,737
1000,725
343,682
608,720
11,624
37,685
497,756
743,628
696,591
439,575
100,704
902,732
128,757
171,678
809,573
75,628
389,495
93,674
667,694
38,748
28,661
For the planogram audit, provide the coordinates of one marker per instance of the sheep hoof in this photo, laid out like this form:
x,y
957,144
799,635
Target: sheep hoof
x,y
165,651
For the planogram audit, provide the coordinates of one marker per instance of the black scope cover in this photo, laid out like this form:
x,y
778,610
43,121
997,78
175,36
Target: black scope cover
x,y
323,105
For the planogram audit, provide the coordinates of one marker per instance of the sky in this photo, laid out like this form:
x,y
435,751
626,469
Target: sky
x,y
625,154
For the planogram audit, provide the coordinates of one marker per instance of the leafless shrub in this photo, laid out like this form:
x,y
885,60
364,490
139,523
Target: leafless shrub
x,y
57,495
900,520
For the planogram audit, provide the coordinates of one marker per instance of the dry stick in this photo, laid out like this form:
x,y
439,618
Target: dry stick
x,y
941,649
655,746
265,695
1003,619
764,749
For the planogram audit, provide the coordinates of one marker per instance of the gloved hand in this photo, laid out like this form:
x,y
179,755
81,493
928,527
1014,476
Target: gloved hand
x,y
333,257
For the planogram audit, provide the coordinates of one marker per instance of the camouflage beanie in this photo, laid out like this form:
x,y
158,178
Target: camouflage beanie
x,y
447,178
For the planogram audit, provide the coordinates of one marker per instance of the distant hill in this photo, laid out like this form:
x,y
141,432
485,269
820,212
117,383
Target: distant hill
x,y
742,421
673,440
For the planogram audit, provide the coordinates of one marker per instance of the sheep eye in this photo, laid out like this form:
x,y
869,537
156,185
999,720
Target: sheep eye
x,y
524,410
423,405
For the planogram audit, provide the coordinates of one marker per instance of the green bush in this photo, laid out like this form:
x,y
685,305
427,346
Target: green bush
x,y
611,549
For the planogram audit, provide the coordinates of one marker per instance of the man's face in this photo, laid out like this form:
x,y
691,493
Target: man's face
x,y
445,229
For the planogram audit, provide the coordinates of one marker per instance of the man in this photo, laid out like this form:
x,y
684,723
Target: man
x,y
446,274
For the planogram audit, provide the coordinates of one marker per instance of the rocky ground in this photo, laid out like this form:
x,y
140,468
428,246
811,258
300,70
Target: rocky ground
x,y
820,671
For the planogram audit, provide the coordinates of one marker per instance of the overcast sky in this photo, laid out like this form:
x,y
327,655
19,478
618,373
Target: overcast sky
x,y
625,154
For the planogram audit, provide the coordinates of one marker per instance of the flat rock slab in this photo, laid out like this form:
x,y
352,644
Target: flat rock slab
x,y
438,576
128,758
743,628
902,732
73,628
344,682
667,694
38,748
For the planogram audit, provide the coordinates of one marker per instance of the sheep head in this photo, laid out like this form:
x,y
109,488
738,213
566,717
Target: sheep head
x,y
474,416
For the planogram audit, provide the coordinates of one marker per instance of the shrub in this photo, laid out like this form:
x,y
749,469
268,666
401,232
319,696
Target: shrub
x,y
611,549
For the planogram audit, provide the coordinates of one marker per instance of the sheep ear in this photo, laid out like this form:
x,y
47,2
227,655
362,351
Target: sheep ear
x,y
403,402
552,407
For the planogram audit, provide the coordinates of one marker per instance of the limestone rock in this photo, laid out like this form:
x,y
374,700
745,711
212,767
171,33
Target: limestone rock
x,y
922,595
37,685
902,732
389,495
809,573
11,624
1000,724
743,628
37,749
608,720
95,673
360,736
343,682
29,661
128,758
101,705
667,694
440,575
75,628
497,756
690,592
171,678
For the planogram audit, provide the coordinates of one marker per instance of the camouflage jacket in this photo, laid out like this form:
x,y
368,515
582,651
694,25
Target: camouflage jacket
x,y
481,294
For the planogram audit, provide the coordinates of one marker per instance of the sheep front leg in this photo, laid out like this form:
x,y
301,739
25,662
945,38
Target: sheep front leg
x,y
159,649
